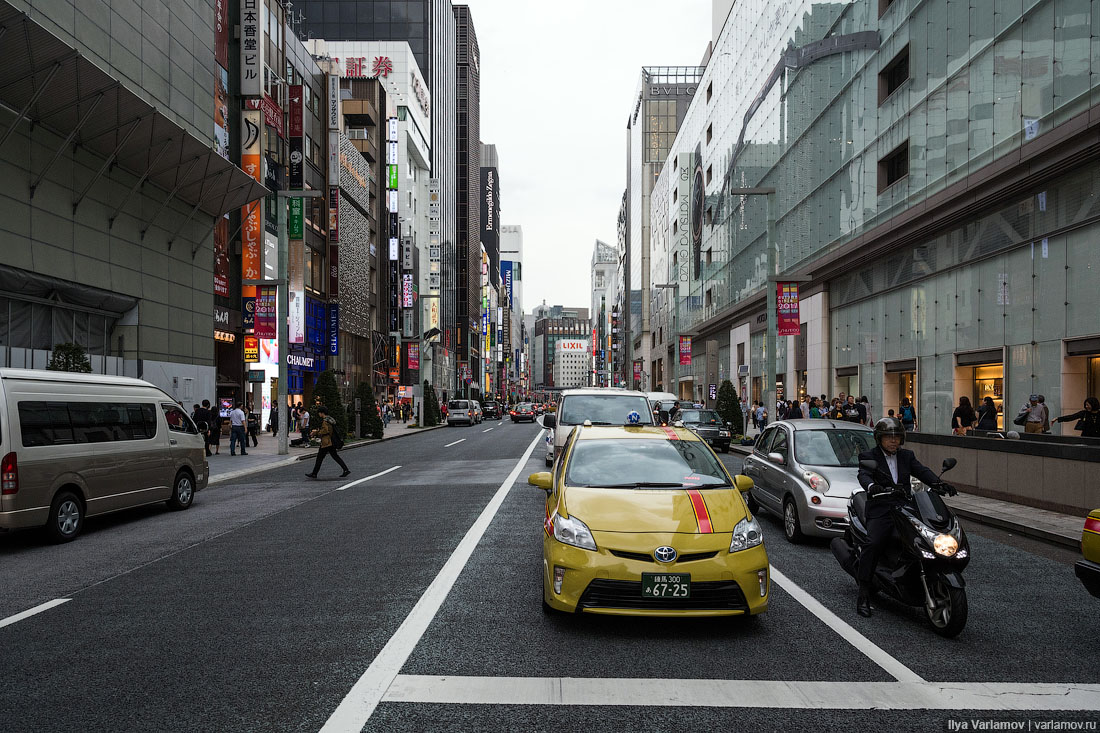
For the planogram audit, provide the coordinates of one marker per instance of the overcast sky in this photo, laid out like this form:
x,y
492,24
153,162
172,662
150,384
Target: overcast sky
x,y
557,82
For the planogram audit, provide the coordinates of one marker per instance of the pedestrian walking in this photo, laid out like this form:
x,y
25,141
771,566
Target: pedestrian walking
x,y
1088,419
805,407
304,419
236,430
867,419
853,411
908,414
274,420
964,417
1034,416
761,416
330,443
202,418
253,427
815,407
987,415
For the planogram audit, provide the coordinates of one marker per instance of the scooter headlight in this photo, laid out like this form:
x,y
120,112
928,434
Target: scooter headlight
x,y
945,545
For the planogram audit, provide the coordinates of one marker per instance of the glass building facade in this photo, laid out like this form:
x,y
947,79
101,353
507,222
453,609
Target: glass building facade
x,y
933,185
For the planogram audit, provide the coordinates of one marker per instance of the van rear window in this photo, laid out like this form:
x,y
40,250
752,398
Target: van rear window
x,y
65,423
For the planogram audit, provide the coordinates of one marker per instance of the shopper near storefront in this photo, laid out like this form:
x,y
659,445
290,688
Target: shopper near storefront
x,y
1035,414
1088,419
236,430
865,403
964,417
987,415
907,411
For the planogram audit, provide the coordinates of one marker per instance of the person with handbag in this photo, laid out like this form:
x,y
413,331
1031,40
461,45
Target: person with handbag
x,y
331,442
987,415
1088,419
1034,416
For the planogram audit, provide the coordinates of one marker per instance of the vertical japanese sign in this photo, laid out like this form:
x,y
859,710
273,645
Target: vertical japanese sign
x,y
252,215
297,154
637,371
296,314
221,257
252,48
786,305
251,349
413,350
334,101
295,226
221,33
265,320
685,351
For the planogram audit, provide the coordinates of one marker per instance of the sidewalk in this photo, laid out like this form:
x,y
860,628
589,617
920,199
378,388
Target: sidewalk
x,y
265,456
1060,529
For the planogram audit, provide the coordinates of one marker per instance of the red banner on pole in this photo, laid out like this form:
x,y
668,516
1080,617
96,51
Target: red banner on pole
x,y
787,309
685,351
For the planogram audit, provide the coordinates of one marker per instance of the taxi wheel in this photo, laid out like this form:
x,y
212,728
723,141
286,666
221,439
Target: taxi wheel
x,y
792,529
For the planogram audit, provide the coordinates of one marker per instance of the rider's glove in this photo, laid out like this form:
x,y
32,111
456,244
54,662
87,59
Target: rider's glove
x,y
877,490
946,488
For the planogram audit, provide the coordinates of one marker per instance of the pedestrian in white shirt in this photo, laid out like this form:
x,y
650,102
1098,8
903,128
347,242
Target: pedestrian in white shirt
x,y
236,430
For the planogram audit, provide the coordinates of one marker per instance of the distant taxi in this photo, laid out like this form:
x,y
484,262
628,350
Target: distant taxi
x,y
644,520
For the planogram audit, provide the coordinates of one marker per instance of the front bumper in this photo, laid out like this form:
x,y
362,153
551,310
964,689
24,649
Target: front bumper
x,y
1089,574
827,519
608,581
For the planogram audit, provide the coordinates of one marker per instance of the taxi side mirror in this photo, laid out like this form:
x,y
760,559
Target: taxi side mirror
x,y
549,420
743,483
543,480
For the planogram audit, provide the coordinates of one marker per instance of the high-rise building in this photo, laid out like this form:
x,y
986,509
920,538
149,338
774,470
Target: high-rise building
x,y
605,261
511,277
660,102
467,144
571,363
553,324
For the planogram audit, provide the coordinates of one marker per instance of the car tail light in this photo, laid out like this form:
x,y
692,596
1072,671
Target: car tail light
x,y
9,475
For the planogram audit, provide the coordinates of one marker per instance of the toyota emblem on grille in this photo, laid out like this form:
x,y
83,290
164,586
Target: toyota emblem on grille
x,y
665,553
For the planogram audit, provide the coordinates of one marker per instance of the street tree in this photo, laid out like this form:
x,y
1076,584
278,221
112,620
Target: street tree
x,y
327,389
729,407
69,357
370,423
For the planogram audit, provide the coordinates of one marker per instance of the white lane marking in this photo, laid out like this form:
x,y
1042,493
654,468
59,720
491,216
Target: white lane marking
x,y
32,611
486,430
873,652
454,443
364,696
744,693
368,478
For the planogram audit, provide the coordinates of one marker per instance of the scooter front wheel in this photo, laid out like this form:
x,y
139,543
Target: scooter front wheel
x,y
948,616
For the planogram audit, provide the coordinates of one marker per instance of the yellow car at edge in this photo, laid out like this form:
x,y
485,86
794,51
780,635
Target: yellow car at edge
x,y
646,521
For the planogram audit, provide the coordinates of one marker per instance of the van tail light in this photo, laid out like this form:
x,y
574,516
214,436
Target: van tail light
x,y
9,475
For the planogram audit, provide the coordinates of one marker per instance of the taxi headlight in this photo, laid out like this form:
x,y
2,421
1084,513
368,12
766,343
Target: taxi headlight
x,y
572,531
945,545
745,535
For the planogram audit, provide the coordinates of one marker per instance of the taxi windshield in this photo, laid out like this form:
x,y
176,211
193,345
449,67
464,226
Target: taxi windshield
x,y
643,463
604,409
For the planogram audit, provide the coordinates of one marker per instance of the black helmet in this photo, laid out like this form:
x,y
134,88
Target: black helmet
x,y
889,426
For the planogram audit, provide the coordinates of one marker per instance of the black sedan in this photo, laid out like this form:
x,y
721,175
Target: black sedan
x,y
523,411
708,425
491,410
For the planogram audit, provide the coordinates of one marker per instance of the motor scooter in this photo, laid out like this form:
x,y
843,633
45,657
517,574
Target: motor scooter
x,y
923,565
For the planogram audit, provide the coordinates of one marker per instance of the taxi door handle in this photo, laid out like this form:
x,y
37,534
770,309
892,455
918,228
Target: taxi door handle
x,y
172,441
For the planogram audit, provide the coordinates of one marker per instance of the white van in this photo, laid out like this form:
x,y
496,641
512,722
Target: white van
x,y
598,405
78,445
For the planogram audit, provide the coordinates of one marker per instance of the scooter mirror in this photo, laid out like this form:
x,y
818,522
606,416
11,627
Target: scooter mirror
x,y
949,463
869,465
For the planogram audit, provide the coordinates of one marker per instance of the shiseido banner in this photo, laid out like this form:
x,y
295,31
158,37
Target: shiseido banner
x,y
265,321
685,351
786,306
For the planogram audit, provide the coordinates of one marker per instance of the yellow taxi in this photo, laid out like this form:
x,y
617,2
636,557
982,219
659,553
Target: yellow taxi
x,y
646,521
1088,567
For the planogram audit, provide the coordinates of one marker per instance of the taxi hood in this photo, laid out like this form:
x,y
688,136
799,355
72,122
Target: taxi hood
x,y
687,511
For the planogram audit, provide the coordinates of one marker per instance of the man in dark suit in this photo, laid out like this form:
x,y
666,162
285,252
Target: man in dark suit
x,y
887,488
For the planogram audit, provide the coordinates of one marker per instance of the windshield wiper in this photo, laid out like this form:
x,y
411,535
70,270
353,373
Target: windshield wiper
x,y
645,485
719,485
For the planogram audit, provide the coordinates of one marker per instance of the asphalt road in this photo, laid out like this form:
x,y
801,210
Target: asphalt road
x,y
411,601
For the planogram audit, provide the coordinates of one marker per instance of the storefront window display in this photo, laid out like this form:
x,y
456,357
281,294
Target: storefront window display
x,y
989,382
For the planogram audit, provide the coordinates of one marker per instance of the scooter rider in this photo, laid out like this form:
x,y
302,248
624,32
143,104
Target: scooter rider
x,y
887,488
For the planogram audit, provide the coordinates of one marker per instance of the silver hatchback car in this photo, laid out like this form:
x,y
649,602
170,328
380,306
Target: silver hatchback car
x,y
805,471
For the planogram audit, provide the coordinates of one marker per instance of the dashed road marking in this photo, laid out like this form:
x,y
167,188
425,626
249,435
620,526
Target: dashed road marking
x,y
32,611
368,478
486,430
454,443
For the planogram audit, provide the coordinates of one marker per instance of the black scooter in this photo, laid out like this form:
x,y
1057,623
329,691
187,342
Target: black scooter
x,y
923,566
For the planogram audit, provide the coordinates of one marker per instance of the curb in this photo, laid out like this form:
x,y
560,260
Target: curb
x,y
309,456
1026,530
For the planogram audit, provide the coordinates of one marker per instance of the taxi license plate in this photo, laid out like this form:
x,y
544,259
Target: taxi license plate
x,y
666,585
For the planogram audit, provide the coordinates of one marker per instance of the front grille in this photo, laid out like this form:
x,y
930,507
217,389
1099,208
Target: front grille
x,y
644,557
724,595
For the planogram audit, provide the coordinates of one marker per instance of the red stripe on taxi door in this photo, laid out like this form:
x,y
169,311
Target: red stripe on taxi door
x,y
702,516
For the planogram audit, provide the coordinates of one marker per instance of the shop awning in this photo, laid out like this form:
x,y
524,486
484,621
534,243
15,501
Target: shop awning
x,y
53,85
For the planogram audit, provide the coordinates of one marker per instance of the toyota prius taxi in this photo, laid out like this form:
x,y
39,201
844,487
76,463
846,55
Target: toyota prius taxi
x,y
646,521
